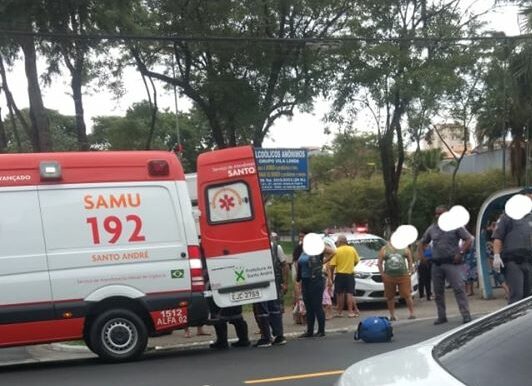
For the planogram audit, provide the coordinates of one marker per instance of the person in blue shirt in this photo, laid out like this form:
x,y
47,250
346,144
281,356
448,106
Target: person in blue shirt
x,y
310,275
424,270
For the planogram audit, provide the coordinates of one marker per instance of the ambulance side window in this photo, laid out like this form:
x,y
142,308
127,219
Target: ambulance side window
x,y
229,203
21,234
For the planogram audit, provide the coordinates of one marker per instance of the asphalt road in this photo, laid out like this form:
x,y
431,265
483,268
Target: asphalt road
x,y
303,362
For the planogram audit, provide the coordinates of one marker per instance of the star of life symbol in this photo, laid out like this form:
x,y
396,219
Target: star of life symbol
x,y
227,202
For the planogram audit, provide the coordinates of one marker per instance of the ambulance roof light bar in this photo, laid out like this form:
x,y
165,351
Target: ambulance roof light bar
x,y
50,170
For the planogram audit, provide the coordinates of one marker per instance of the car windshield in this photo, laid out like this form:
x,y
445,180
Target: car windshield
x,y
367,248
495,351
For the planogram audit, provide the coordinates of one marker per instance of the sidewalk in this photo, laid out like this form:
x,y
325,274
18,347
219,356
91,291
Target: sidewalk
x,y
423,309
175,341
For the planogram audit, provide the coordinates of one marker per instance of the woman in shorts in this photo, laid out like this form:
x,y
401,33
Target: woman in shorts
x,y
396,266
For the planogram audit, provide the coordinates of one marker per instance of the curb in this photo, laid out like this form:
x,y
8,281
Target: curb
x,y
69,348
63,347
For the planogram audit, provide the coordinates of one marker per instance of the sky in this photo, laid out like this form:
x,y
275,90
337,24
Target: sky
x,y
301,130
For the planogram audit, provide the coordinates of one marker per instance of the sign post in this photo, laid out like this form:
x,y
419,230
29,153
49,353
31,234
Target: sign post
x,y
283,171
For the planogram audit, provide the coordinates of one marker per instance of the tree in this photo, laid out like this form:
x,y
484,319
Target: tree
x,y
355,155
131,132
387,71
464,102
506,103
14,112
249,78
71,17
23,15
62,132
419,115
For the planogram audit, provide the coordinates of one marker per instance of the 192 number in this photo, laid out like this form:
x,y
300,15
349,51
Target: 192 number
x,y
113,226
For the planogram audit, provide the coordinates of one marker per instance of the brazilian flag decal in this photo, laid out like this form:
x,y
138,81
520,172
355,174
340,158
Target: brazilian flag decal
x,y
177,273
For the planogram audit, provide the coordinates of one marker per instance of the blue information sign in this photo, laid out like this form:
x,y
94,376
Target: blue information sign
x,y
282,170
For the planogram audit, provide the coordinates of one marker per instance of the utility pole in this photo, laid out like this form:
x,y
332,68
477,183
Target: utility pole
x,y
293,220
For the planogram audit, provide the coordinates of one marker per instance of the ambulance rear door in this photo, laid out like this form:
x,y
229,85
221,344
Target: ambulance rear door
x,y
234,232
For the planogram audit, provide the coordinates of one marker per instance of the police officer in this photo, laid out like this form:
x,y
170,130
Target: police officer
x,y
512,248
447,257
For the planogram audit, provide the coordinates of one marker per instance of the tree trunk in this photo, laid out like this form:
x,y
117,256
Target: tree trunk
x,y
81,129
390,186
153,109
3,137
40,137
13,110
415,173
216,129
392,171
517,159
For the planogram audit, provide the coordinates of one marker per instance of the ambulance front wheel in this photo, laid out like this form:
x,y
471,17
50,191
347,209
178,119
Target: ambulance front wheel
x,y
118,335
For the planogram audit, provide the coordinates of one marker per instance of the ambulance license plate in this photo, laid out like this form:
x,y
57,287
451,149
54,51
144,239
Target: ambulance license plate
x,y
240,296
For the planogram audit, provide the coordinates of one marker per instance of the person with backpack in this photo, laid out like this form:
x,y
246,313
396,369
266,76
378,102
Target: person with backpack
x,y
269,314
396,266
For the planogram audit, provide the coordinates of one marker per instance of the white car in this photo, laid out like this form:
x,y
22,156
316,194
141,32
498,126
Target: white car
x,y
368,280
493,350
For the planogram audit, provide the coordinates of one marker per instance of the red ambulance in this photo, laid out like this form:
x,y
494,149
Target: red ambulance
x,y
102,246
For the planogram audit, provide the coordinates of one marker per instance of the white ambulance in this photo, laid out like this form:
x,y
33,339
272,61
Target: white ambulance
x,y
102,246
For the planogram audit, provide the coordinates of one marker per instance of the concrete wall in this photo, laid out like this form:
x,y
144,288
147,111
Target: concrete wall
x,y
478,163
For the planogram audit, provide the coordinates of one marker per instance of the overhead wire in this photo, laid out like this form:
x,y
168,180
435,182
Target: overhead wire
x,y
256,39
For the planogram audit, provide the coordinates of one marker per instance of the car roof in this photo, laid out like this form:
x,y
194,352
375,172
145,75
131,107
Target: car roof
x,y
355,236
396,367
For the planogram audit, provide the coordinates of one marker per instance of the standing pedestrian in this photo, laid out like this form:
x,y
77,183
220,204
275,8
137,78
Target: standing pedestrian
x,y
470,270
424,270
310,275
447,257
396,266
221,317
343,262
327,293
298,250
200,332
512,249
498,275
269,314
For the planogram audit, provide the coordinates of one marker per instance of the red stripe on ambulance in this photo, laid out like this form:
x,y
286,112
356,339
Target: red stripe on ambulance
x,y
17,334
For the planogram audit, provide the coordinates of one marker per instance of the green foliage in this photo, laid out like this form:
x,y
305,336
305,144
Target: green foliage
x,y
390,76
344,201
130,132
472,190
355,155
428,160
243,86
354,201
62,132
321,167
351,155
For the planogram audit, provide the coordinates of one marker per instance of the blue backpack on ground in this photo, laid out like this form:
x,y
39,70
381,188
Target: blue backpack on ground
x,y
374,329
